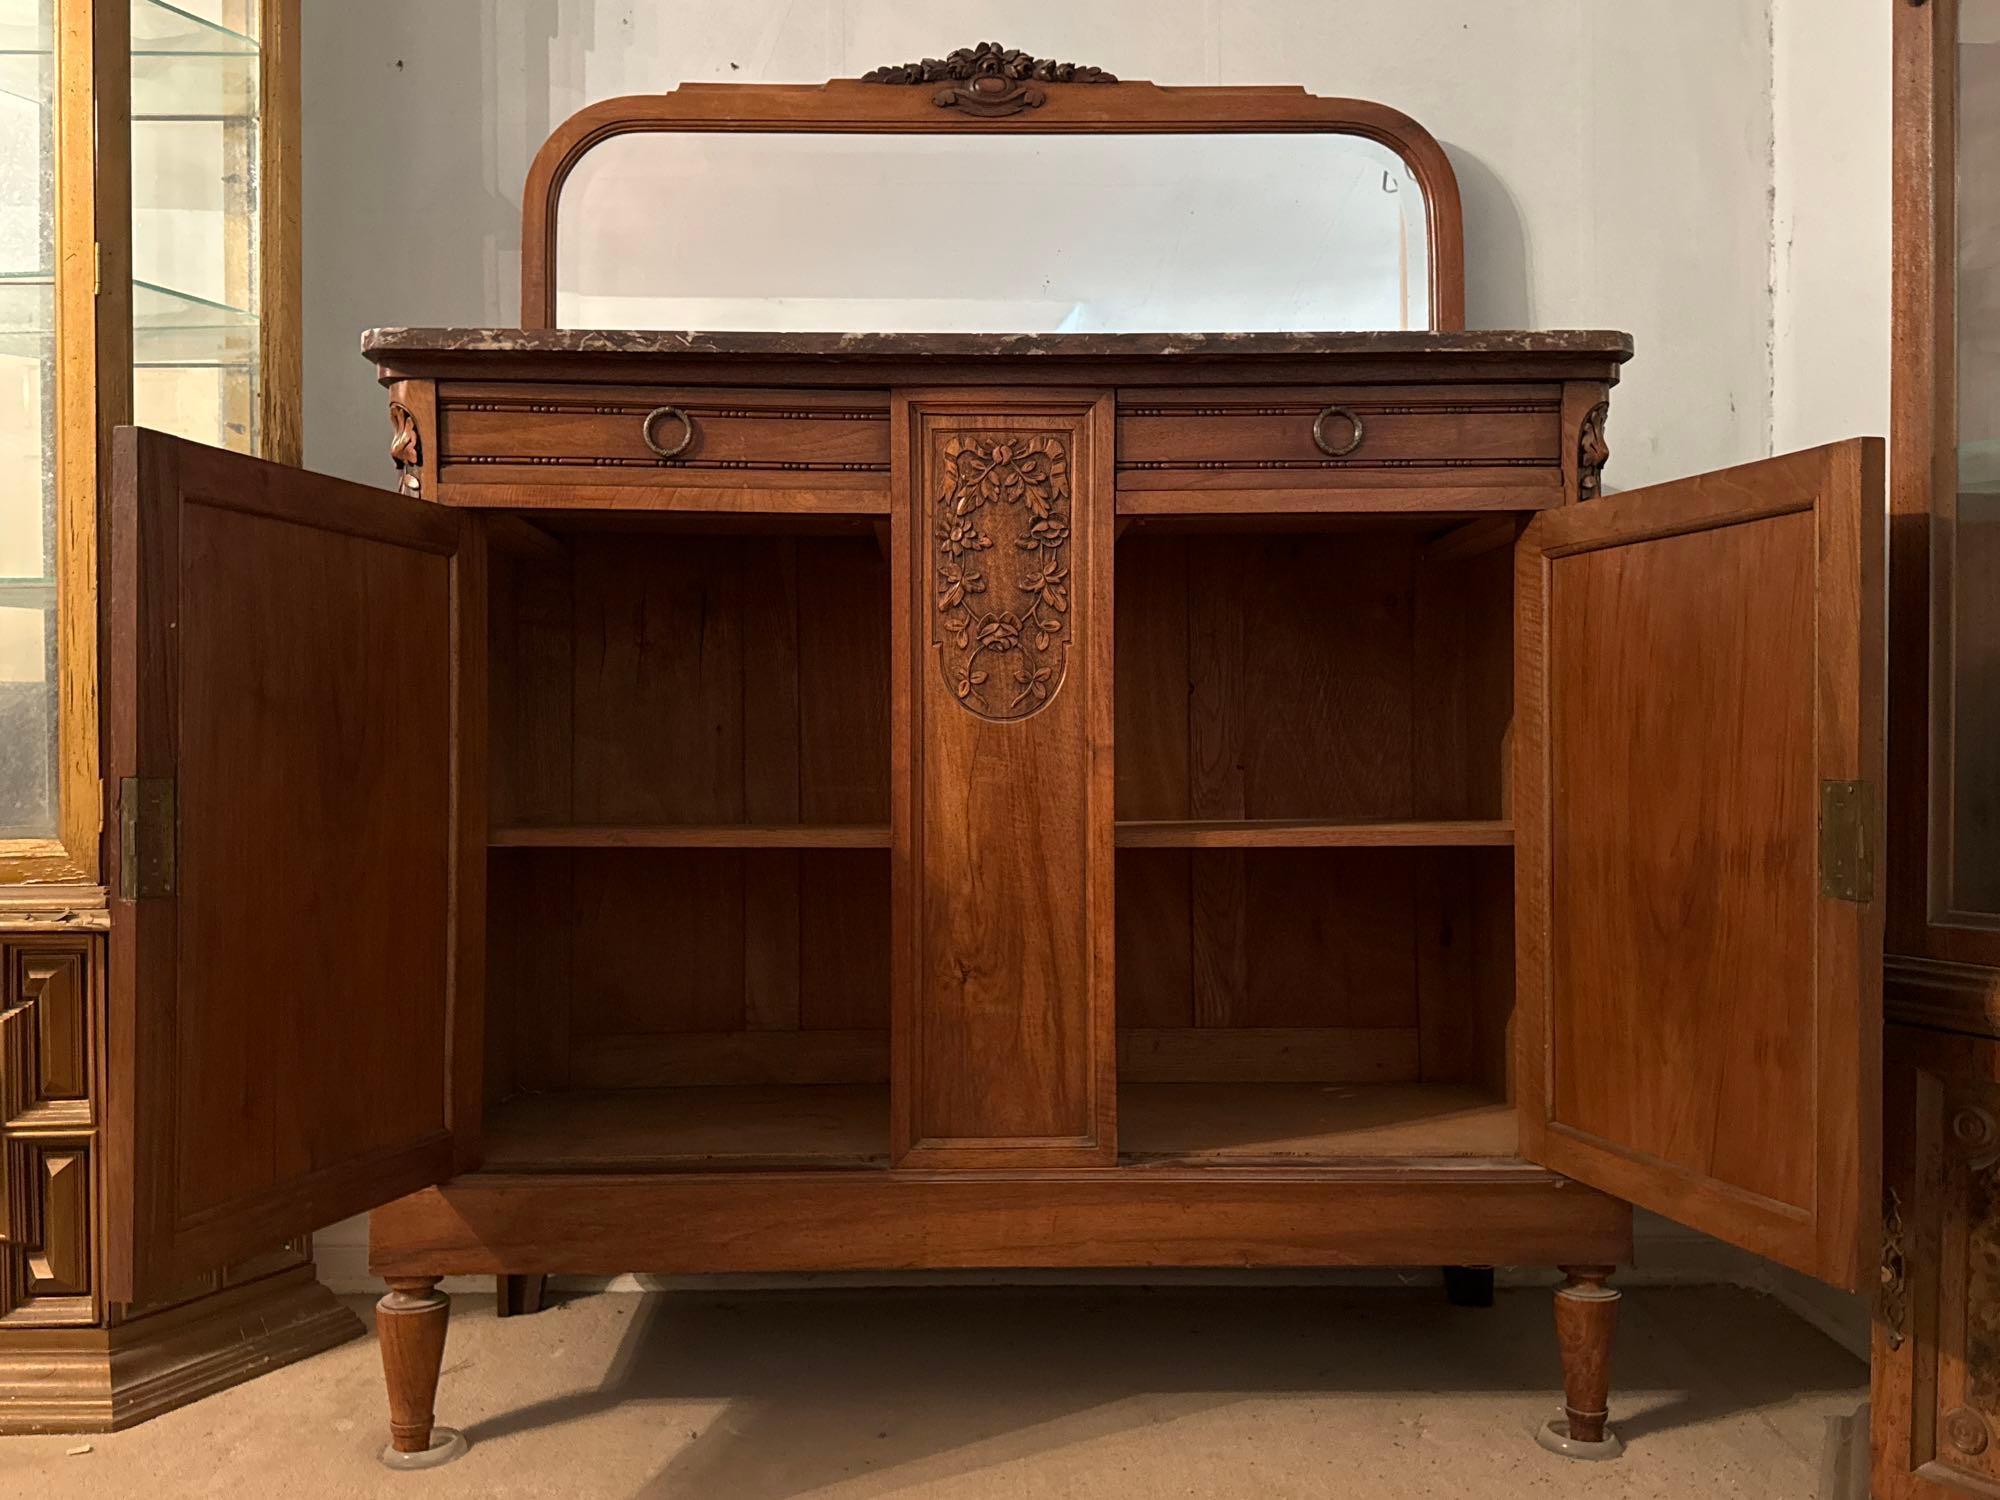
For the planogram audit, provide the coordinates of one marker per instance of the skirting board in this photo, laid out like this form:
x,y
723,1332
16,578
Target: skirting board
x,y
102,1380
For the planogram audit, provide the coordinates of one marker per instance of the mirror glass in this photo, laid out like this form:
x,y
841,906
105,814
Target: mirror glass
x,y
1014,233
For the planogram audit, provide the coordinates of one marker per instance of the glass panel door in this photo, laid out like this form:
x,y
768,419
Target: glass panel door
x,y
1967,534
195,295
28,689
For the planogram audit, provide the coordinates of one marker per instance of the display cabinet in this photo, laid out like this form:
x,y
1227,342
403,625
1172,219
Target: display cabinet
x,y
1937,1346
148,269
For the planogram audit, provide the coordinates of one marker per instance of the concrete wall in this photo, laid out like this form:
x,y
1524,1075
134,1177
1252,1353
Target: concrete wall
x,y
1710,175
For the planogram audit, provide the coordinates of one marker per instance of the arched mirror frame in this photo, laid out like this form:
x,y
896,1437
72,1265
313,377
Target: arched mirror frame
x,y
989,91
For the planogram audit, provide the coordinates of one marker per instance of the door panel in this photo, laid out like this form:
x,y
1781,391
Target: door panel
x,y
296,868
1700,1018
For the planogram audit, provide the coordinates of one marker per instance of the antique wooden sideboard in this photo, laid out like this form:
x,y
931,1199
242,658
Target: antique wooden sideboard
x,y
805,801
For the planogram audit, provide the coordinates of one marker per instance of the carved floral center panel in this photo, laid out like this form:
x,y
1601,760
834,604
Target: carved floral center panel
x,y
1000,568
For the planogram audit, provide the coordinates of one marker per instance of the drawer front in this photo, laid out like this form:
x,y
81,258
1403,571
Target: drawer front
x,y
1333,437
662,437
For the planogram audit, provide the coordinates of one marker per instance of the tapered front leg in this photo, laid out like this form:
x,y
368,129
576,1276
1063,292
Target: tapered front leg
x,y
1586,1317
410,1324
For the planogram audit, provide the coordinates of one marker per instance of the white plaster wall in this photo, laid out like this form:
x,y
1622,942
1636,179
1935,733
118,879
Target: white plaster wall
x,y
1831,233
1710,175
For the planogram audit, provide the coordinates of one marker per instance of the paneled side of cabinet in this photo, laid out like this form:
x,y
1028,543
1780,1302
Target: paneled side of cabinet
x,y
1937,1330
50,1018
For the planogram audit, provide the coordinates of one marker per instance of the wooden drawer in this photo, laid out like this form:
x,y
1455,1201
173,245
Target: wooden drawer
x,y
710,448
1358,447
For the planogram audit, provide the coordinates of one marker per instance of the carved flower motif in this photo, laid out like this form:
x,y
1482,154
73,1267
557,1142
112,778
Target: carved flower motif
x,y
1001,632
1051,585
955,583
957,535
1031,471
1021,480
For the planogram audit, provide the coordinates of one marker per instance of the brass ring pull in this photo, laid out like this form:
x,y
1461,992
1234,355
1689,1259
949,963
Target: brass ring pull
x,y
1337,450
652,421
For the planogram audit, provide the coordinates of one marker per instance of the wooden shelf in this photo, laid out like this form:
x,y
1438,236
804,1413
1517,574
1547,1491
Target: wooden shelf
x,y
1313,833
693,836
690,1129
836,1126
1295,1123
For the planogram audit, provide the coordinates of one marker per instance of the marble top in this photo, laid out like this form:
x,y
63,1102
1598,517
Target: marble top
x,y
380,343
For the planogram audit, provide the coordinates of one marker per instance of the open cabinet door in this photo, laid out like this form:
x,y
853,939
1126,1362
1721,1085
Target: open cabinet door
x,y
1698,758
294,685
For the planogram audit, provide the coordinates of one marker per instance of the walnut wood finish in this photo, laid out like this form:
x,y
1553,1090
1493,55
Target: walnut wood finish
x,y
1924,474
1002,1034
410,1324
1936,1344
1700,1020
1586,1318
849,105
285,1049
1384,1213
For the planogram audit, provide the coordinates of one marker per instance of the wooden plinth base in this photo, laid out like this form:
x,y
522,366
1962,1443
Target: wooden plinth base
x,y
55,1380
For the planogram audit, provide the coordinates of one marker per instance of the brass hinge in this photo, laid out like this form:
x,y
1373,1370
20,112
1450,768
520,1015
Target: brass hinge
x,y
147,836
1847,824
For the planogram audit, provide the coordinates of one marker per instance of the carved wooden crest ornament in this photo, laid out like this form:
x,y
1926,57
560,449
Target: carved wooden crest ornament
x,y
1000,569
988,79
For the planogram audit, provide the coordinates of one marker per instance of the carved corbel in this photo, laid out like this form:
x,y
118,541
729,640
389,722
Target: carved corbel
x,y
1593,452
406,449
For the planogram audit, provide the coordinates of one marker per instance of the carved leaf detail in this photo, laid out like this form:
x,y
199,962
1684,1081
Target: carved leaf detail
x,y
1014,488
988,79
988,59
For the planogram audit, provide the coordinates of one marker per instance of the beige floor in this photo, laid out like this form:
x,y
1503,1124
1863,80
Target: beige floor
x,y
1050,1392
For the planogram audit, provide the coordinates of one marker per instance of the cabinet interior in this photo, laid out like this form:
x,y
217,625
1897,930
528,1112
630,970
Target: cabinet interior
x,y
688,884
1315,888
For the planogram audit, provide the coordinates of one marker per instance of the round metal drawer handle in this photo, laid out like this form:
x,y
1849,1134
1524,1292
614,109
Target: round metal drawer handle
x,y
653,421
1337,450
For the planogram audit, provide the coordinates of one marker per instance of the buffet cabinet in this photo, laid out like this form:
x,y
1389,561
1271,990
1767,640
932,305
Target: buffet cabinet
x,y
793,802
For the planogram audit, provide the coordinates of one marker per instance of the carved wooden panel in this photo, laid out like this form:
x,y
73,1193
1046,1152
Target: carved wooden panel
x,y
1003,1041
1000,568
1937,1341
48,1026
45,1030
45,1252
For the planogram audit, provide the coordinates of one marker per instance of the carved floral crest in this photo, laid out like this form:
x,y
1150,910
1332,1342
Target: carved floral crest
x,y
989,79
1001,569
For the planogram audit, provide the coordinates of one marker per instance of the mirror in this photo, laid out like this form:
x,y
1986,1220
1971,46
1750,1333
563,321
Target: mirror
x,y
992,233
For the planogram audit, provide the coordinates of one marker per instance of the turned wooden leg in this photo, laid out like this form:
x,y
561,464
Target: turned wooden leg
x,y
1468,1286
516,1296
410,1325
1586,1316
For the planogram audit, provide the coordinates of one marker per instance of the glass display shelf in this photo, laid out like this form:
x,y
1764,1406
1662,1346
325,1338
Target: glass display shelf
x,y
169,328
184,66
